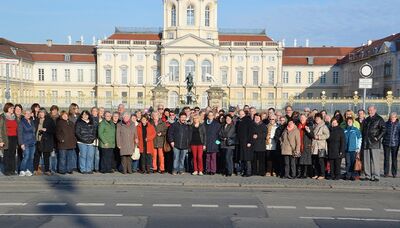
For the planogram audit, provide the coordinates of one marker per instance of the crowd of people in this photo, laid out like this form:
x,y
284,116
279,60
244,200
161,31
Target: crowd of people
x,y
307,144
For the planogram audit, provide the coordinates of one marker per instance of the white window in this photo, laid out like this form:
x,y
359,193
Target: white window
x,y
139,57
224,77
255,78
67,58
335,77
310,77
173,15
255,58
93,97
124,75
41,73
285,77
107,57
54,75
190,15
80,75
173,99
124,57
67,97
239,96
206,71
298,77
140,98
285,96
174,71
54,97
190,67
92,75
80,95
271,96
108,76
67,75
170,35
108,99
224,58
41,96
271,58
240,58
239,77
322,79
207,16
124,96
255,96
271,77
140,76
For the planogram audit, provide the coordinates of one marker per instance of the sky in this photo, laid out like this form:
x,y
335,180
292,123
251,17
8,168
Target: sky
x,y
323,22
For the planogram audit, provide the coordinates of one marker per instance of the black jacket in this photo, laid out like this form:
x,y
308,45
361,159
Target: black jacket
x,y
202,131
180,135
392,134
47,143
212,132
260,130
373,131
336,143
226,134
244,134
85,132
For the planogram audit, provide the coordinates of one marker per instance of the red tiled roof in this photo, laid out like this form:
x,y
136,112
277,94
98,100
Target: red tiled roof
x,y
300,61
134,36
244,38
60,58
57,48
6,50
317,51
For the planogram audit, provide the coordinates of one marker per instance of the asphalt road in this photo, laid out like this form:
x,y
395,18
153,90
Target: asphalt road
x,y
33,205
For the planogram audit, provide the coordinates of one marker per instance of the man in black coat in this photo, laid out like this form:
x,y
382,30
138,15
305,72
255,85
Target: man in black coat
x,y
372,133
179,136
245,130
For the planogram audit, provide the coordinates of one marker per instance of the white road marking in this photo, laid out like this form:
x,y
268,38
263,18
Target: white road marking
x,y
357,209
129,205
320,208
392,210
13,204
281,207
325,218
80,215
370,219
243,206
51,204
167,205
90,204
205,205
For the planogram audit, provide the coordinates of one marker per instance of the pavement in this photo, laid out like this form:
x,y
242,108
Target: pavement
x,y
61,205
188,180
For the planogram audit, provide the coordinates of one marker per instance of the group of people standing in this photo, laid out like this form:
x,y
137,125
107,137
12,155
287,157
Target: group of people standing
x,y
311,144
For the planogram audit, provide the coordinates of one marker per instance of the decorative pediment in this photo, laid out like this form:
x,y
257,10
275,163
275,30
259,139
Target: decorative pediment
x,y
190,41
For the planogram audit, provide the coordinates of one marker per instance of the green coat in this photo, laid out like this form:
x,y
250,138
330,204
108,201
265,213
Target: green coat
x,y
107,134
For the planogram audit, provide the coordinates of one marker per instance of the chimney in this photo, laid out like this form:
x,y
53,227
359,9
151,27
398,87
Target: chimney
x,y
81,40
49,42
295,43
69,40
283,43
307,43
93,40
369,42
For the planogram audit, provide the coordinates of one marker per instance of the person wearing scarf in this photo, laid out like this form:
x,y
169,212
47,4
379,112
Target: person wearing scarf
x,y
306,137
271,146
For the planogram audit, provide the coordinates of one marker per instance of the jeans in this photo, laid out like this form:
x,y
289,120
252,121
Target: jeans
x,y
66,161
179,159
27,160
390,152
135,165
53,161
96,158
228,161
74,158
350,161
86,157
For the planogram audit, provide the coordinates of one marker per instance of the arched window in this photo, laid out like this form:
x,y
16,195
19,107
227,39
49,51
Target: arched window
x,y
207,16
173,100
206,71
173,15
190,67
190,15
174,71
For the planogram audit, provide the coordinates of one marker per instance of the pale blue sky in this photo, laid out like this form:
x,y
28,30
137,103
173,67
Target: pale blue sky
x,y
324,22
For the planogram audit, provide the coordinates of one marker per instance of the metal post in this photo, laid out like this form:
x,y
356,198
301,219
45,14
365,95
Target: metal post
x,y
364,98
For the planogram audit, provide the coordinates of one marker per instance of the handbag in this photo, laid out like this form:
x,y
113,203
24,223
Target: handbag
x,y
357,165
322,153
136,154
167,147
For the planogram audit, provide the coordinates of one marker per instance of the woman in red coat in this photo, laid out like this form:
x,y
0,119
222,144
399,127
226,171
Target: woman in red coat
x,y
146,134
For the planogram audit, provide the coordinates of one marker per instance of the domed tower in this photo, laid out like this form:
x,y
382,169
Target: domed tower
x,y
197,17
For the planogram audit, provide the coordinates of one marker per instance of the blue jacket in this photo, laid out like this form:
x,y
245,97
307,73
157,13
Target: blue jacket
x,y
392,134
353,139
26,133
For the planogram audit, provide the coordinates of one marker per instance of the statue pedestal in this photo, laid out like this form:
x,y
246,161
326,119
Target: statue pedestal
x,y
215,95
160,96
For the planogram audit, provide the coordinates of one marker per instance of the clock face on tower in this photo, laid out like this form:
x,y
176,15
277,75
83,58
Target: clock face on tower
x,y
366,70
